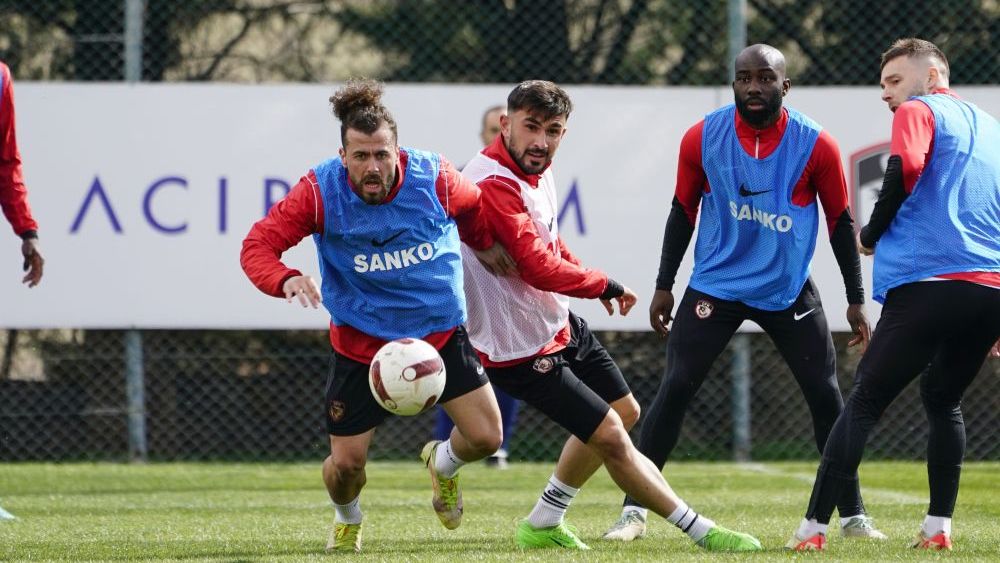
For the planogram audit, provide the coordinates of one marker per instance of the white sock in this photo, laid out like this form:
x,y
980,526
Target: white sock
x,y
809,528
690,522
845,519
349,513
934,525
552,505
445,461
642,511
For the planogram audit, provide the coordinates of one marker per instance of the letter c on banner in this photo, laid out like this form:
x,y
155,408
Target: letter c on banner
x,y
147,205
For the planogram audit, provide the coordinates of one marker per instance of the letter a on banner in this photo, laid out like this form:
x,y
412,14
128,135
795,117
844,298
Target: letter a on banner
x,y
96,190
573,199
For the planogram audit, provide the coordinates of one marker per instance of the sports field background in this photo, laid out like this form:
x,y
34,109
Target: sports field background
x,y
279,512
243,409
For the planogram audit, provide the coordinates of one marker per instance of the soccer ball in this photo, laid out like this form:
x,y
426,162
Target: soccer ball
x,y
406,376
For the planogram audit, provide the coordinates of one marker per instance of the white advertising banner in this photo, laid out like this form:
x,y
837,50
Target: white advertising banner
x,y
145,192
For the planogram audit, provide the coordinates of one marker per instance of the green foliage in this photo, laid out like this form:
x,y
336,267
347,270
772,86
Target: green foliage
x,y
675,42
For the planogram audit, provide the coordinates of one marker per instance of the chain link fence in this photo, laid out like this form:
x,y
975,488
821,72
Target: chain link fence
x,y
259,395
674,42
98,394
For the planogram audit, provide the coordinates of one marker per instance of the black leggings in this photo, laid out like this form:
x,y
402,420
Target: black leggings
x,y
949,325
702,327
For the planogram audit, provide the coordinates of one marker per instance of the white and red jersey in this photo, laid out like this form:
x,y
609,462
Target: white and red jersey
x,y
514,318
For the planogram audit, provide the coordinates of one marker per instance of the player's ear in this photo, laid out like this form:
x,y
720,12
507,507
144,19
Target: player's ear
x,y
342,153
933,76
505,125
786,85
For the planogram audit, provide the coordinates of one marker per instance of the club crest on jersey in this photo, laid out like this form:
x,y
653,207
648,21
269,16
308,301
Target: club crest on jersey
x,y
703,308
385,261
543,364
337,409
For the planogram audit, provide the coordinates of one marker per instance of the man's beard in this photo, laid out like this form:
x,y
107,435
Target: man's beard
x,y
759,118
521,160
373,199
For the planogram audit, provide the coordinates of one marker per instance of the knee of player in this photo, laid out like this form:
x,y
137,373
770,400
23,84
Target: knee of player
x,y
611,440
348,466
628,411
934,403
487,443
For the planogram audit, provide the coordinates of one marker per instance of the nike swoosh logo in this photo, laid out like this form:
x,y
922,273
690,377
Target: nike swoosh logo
x,y
800,316
377,243
747,193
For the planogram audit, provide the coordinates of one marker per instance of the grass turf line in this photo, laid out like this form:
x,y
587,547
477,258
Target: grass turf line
x,y
280,512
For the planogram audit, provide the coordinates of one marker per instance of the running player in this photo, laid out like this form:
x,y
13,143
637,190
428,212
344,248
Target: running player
x,y
935,233
757,169
373,297
535,349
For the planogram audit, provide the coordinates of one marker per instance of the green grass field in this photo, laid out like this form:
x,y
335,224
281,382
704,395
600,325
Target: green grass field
x,y
279,512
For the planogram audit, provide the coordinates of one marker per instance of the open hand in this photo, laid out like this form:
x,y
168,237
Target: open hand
x,y
303,288
33,262
496,260
625,302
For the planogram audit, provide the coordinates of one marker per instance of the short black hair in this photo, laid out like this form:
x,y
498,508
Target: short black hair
x,y
914,47
358,105
541,98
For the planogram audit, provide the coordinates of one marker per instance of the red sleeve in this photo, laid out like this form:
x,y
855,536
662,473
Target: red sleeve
x,y
292,219
537,264
691,178
567,255
826,175
461,200
13,194
912,139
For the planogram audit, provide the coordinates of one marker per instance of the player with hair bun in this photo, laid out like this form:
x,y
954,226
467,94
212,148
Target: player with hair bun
x,y
388,272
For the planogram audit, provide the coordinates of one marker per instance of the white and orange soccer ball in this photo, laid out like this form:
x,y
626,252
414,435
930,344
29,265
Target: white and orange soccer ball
x,y
407,376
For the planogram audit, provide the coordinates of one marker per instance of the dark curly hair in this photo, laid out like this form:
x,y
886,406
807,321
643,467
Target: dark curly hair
x,y
358,105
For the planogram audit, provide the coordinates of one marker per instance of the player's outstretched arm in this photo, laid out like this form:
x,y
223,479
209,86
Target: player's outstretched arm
x,y
463,202
625,301
496,260
537,264
295,217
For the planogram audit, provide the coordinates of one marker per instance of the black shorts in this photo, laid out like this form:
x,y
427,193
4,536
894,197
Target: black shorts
x,y
350,407
574,387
